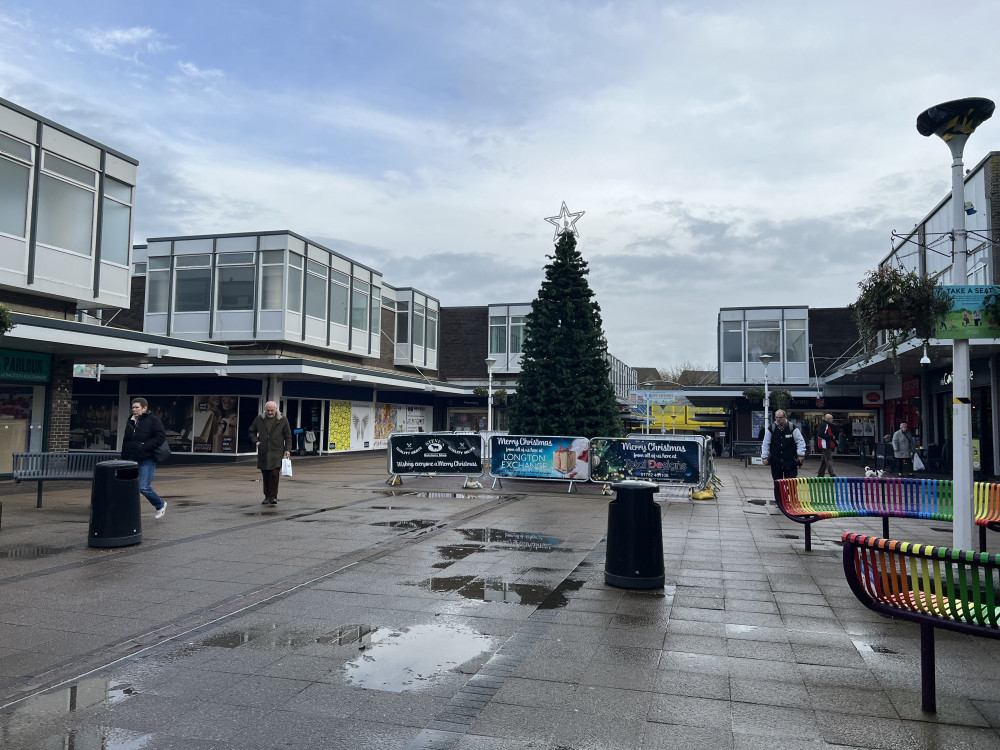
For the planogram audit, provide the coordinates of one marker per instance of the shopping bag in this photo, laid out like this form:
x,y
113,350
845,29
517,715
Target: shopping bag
x,y
918,465
286,467
161,452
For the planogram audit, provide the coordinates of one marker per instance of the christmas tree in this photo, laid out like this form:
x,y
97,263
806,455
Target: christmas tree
x,y
564,387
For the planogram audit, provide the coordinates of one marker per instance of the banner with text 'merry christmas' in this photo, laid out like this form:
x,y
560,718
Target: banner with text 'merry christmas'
x,y
540,457
676,459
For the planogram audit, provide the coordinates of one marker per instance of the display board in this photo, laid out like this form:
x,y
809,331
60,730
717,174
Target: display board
x,y
540,457
675,459
435,453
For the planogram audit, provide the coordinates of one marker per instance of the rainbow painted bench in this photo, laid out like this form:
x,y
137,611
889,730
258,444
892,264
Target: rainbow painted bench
x,y
936,587
806,500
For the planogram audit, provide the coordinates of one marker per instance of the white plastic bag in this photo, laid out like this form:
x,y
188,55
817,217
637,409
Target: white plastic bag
x,y
286,467
918,465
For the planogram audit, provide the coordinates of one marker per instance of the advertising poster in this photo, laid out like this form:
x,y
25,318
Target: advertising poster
x,y
435,453
362,426
339,426
537,457
416,419
656,459
385,424
967,319
215,424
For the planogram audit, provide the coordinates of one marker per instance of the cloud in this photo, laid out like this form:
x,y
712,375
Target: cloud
x,y
190,70
122,43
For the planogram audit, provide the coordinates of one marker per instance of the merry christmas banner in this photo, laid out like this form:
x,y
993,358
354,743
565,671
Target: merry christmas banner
x,y
540,457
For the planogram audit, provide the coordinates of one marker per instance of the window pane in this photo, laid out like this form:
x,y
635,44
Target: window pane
x,y
118,190
192,290
732,341
65,215
294,289
156,291
376,312
156,264
115,231
343,278
359,311
338,304
418,325
13,197
432,333
15,148
315,296
270,287
192,260
318,268
235,259
270,257
236,288
402,328
516,334
498,334
295,261
763,337
68,169
795,341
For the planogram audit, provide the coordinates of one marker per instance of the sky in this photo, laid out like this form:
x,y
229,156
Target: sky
x,y
725,154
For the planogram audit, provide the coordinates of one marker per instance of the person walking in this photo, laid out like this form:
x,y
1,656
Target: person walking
x,y
827,443
273,437
144,433
903,448
783,450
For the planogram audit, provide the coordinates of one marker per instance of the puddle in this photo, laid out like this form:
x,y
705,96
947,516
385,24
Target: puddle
x,y
498,590
187,503
411,525
268,636
459,551
349,634
414,659
30,553
519,540
787,536
54,705
757,501
388,507
100,738
874,648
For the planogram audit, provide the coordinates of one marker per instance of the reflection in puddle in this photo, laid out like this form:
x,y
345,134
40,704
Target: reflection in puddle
x,y
874,648
519,540
459,551
30,552
411,525
757,501
413,659
498,590
100,738
268,636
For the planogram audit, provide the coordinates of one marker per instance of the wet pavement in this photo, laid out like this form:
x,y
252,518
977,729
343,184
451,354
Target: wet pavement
x,y
426,616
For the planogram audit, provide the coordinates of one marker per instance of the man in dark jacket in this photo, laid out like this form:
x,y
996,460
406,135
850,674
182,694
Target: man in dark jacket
x,y
273,436
827,442
783,450
144,433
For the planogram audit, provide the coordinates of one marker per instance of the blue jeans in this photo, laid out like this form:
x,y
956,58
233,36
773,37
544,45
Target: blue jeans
x,y
146,469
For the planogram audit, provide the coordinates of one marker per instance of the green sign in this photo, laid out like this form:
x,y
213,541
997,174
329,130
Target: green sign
x,y
24,367
967,319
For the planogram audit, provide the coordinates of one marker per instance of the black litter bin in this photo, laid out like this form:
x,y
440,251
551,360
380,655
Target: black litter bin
x,y
115,518
635,538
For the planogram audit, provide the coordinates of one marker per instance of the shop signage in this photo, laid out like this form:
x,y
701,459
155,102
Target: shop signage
x,y
435,453
910,386
539,457
24,367
872,398
675,458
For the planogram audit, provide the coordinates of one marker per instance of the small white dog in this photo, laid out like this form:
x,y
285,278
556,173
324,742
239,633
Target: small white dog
x,y
870,472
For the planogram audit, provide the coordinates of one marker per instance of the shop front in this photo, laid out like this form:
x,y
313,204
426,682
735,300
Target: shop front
x,y
24,379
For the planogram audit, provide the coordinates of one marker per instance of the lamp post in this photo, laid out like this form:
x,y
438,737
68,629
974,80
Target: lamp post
x,y
954,122
673,424
765,359
490,361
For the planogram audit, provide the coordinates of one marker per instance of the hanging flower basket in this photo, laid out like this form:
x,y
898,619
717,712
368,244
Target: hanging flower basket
x,y
890,319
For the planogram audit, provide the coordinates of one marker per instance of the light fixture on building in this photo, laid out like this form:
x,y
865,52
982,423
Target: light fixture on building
x,y
925,360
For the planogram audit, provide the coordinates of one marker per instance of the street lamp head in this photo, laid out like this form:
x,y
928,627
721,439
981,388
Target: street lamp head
x,y
765,359
956,118
490,361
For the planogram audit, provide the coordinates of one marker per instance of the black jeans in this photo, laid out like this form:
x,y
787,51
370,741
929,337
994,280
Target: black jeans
x,y
782,472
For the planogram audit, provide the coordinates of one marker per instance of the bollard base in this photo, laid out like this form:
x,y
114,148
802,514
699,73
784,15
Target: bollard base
x,y
118,541
629,582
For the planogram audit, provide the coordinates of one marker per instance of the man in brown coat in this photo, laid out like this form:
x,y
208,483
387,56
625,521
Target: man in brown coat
x,y
273,436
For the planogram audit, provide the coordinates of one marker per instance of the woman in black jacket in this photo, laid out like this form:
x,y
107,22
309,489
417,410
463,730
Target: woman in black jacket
x,y
144,433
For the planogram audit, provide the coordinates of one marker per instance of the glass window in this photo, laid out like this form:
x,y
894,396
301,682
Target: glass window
x,y
795,341
235,259
156,290
68,169
272,257
13,197
115,231
15,148
432,329
359,306
418,324
402,322
294,287
498,334
732,341
270,287
315,293
139,269
236,285
65,215
159,263
338,302
192,290
117,190
516,333
188,261
763,337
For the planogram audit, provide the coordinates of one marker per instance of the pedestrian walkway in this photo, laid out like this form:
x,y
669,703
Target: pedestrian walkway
x,y
358,615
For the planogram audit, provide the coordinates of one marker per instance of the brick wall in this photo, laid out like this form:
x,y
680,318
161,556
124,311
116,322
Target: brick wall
x,y
464,342
60,405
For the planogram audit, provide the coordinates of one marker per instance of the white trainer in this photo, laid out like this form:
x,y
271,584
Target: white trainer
x,y
161,510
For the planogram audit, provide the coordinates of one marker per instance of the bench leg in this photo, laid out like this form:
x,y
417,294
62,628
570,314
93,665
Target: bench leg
x,y
885,528
38,502
982,538
809,539
928,700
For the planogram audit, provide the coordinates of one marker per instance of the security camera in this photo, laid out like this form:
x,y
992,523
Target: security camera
x,y
969,208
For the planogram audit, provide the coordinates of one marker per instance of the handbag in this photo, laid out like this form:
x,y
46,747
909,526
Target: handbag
x,y
161,452
286,467
918,465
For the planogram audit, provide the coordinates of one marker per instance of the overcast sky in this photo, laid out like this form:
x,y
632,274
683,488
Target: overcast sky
x,y
725,153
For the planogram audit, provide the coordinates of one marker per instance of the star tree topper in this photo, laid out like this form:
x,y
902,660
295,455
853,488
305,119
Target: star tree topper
x,y
565,222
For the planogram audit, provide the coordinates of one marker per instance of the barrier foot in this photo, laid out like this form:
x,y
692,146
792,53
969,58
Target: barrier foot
x,y
570,486
606,490
472,484
394,480
496,481
928,699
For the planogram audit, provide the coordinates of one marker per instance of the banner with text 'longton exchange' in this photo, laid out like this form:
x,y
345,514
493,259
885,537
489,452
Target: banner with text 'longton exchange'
x,y
540,457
